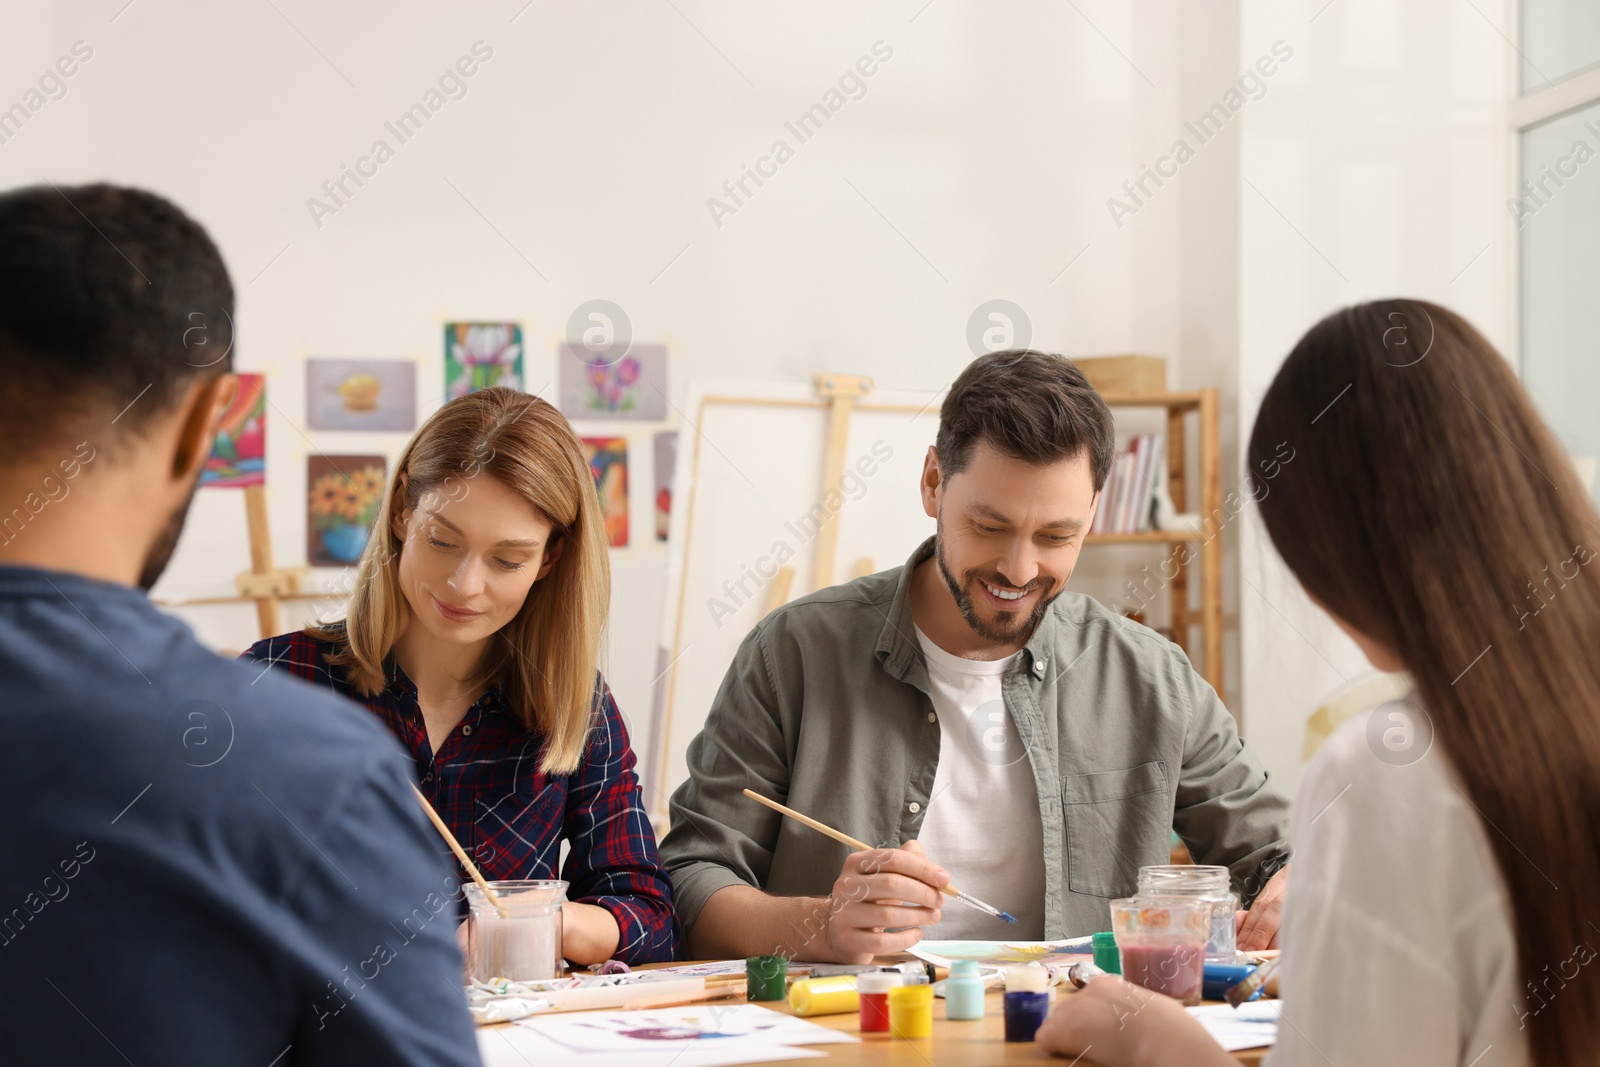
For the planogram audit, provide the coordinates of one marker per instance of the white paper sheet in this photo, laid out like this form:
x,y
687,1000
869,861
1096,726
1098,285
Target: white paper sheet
x,y
515,1046
688,1028
1251,1025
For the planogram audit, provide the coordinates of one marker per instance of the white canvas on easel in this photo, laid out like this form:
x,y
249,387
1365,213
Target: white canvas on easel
x,y
747,501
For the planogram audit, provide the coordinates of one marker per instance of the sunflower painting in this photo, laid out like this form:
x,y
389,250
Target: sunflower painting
x,y
608,462
342,498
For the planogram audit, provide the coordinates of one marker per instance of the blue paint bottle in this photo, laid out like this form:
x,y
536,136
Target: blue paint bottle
x,y
1221,977
963,991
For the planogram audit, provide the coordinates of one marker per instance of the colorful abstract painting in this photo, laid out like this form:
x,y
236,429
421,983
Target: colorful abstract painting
x,y
239,454
361,394
478,355
632,387
608,461
342,498
666,465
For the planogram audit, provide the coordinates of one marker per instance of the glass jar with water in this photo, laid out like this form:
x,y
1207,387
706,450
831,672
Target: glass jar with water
x,y
1206,883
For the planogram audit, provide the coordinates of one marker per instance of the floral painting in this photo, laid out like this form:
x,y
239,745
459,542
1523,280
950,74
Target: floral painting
x,y
666,466
342,498
633,386
478,355
239,454
608,462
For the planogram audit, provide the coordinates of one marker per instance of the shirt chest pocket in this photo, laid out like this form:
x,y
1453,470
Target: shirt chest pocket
x,y
1116,822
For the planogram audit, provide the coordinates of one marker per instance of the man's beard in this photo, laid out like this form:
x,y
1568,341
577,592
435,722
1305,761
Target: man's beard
x,y
160,554
1001,631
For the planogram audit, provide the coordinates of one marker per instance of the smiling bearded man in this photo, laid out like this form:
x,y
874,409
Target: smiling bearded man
x,y
972,717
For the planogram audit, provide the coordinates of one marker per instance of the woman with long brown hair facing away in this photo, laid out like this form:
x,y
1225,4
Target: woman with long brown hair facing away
x,y
474,633
1445,907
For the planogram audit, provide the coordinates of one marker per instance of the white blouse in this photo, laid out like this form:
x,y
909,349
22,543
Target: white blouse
x,y
1397,931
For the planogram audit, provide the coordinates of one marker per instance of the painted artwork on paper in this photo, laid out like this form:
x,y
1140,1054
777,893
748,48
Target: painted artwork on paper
x,y
478,355
361,394
606,387
608,462
342,498
239,453
666,464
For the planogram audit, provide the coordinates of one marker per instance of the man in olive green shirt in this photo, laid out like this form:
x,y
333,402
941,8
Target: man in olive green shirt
x,y
1096,737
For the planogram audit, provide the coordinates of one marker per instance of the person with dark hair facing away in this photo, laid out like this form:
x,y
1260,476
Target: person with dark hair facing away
x,y
204,862
965,708
1447,848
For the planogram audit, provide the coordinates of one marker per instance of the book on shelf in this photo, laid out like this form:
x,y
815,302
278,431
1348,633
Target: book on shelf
x,y
1130,488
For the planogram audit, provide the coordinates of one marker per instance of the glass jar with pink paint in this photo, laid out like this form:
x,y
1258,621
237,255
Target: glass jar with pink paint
x,y
1161,941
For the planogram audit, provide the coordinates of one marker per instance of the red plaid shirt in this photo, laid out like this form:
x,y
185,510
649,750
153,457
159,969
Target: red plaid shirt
x,y
510,816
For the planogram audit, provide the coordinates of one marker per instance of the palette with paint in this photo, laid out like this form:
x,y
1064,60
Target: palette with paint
x,y
943,953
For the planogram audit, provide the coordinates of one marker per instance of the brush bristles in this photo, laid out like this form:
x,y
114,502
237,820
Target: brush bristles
x,y
1008,917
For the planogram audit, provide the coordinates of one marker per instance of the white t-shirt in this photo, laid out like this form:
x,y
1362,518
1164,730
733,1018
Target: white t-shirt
x,y
1397,934
982,823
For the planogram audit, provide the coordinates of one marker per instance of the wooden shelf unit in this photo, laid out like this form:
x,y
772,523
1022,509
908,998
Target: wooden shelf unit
x,y
1201,403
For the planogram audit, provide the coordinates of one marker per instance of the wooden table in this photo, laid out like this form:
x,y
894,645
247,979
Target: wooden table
x,y
977,1043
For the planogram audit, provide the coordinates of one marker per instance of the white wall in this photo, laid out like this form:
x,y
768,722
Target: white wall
x,y
977,166
1379,168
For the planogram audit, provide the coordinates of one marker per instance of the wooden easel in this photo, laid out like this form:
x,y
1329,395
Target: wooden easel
x,y
841,391
263,583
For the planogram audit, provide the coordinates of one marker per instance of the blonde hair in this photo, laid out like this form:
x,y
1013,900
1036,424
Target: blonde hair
x,y
547,663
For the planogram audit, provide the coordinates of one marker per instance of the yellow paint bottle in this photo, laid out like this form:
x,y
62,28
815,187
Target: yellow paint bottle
x,y
834,995
911,1011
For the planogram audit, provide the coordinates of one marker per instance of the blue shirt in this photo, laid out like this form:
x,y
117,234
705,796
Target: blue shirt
x,y
205,861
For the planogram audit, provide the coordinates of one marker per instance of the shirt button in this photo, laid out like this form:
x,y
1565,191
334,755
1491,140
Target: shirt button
x,y
427,779
914,807
467,729
932,717
1039,665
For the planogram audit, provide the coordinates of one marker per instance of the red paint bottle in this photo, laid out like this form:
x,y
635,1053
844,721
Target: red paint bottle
x,y
873,988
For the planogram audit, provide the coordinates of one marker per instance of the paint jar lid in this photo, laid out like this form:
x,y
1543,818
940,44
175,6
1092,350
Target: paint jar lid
x,y
1103,940
911,996
878,981
964,969
1027,978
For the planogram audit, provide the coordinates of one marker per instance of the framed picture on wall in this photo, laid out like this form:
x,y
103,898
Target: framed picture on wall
x,y
342,498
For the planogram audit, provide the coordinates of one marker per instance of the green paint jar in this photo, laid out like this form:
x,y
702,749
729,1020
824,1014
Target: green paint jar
x,y
1105,953
765,977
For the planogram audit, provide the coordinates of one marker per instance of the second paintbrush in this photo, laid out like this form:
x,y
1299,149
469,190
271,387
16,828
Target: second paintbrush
x,y
861,846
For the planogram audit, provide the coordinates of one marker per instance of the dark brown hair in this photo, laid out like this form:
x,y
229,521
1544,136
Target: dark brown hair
x,y
1028,405
1432,509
